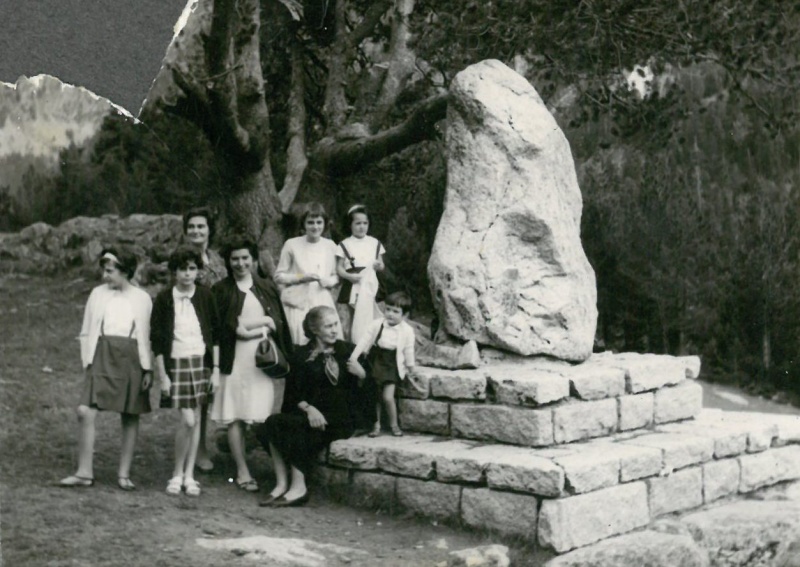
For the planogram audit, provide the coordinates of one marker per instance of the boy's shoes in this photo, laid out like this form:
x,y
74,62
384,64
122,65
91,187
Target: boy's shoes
x,y
397,432
375,431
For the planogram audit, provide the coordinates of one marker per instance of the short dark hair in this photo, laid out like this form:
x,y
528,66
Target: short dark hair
x,y
126,260
181,257
400,299
204,212
313,209
238,242
353,211
313,317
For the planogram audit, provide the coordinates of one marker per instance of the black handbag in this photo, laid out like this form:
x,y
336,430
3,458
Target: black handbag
x,y
347,285
271,360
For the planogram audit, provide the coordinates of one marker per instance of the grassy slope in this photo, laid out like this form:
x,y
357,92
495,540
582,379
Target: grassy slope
x,y
46,525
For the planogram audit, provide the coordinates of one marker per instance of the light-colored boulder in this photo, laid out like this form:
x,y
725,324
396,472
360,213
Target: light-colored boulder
x,y
428,416
469,464
678,491
596,381
728,441
428,498
678,402
720,478
414,455
692,365
575,421
518,385
591,468
507,267
420,389
678,450
649,548
524,471
636,411
567,523
356,453
527,427
645,372
458,384
485,556
372,490
745,533
769,467
504,512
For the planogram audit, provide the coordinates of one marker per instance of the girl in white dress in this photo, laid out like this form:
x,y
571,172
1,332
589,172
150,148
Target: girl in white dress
x,y
307,271
359,258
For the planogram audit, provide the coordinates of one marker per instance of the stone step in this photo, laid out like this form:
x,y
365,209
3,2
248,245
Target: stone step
x,y
540,403
571,495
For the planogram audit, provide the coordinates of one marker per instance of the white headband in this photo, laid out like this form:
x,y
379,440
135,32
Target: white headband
x,y
354,207
110,256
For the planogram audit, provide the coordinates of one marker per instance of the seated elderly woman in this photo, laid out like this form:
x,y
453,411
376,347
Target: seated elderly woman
x,y
319,405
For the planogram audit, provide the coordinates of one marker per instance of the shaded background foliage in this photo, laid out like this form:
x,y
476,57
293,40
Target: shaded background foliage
x,y
690,191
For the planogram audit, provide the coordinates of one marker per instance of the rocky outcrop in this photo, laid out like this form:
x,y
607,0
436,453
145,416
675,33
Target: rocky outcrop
x,y
77,243
507,267
39,117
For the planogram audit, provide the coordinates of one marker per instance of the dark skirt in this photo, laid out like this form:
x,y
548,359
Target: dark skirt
x,y
383,366
190,381
114,379
297,442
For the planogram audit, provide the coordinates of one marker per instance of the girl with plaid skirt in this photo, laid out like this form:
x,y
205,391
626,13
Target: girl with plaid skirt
x,y
183,337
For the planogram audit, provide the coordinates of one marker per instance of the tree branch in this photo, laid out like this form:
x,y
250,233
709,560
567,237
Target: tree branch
x,y
371,19
296,160
339,158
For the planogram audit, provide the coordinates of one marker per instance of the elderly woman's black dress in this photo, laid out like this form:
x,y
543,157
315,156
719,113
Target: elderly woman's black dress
x,y
337,399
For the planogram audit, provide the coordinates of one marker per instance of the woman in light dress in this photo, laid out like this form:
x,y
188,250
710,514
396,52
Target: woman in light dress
x,y
307,271
248,309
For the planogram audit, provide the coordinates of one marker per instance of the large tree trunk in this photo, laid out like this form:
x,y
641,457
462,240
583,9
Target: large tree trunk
x,y
211,75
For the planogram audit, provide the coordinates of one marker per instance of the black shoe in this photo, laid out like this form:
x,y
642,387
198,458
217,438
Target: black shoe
x,y
282,502
270,500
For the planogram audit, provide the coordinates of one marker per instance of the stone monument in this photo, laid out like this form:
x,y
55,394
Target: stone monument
x,y
507,267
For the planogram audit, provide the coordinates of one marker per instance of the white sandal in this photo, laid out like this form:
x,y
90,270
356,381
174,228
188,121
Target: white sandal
x,y
192,487
175,485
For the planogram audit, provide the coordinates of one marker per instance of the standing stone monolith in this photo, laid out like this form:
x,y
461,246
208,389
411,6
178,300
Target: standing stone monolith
x,y
507,267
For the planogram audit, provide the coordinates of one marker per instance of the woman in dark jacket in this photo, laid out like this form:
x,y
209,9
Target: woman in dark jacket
x,y
319,406
248,308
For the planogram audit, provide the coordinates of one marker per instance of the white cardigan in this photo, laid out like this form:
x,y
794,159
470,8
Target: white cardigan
x,y
405,344
141,305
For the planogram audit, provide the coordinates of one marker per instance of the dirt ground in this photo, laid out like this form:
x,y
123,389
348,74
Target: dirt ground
x,y
44,525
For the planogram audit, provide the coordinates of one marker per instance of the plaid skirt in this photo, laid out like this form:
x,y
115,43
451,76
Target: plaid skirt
x,y
190,382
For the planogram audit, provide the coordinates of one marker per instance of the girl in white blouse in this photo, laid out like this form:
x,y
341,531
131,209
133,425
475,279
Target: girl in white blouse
x,y
115,351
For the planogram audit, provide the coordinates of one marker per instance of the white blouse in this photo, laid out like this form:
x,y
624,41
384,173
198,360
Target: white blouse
x,y
114,312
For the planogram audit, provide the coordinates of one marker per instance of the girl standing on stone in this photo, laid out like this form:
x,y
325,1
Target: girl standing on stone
x,y
115,351
183,335
359,258
390,344
307,271
198,230
248,309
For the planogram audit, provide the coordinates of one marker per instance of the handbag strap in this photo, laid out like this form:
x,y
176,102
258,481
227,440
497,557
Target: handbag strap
x,y
347,254
378,336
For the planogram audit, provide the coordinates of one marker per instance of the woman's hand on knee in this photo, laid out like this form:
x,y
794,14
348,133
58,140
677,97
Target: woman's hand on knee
x,y
315,418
